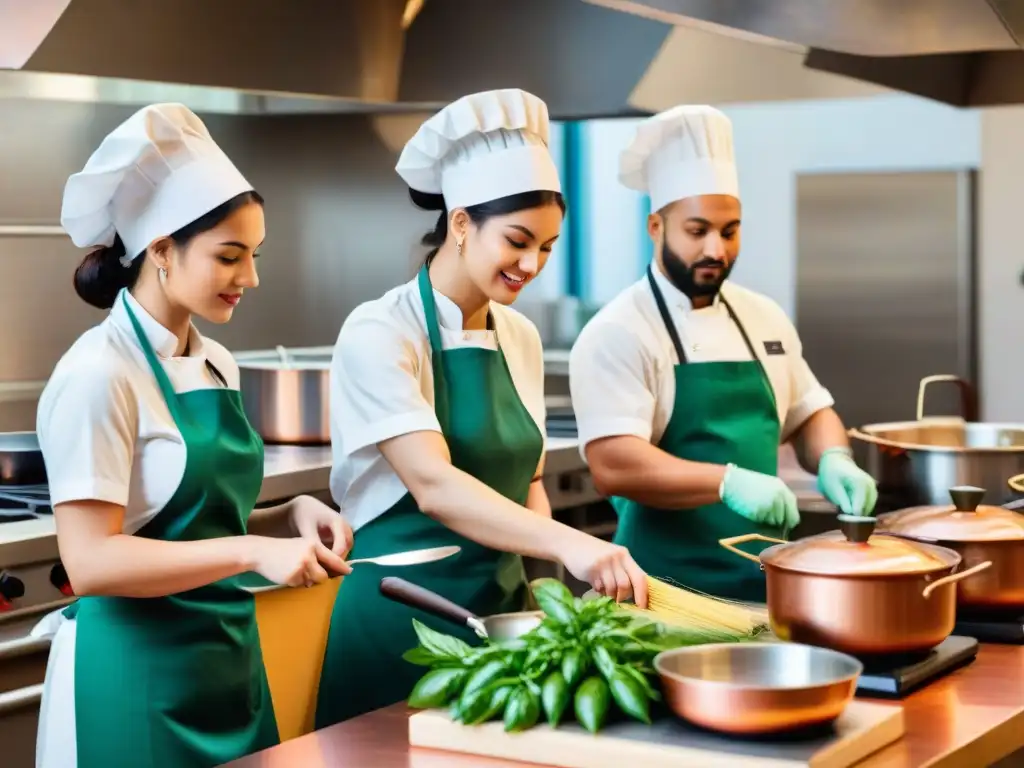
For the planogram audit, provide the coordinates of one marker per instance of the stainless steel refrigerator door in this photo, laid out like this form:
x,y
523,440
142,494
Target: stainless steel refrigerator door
x,y
885,288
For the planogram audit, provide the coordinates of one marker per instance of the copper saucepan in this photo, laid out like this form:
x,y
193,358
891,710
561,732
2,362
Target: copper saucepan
x,y
502,626
978,533
859,593
757,688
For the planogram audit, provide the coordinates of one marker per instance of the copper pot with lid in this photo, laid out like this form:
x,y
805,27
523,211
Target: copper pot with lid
x,y
979,533
859,592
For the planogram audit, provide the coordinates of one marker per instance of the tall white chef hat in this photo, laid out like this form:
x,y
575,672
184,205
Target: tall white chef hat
x,y
483,147
153,174
683,152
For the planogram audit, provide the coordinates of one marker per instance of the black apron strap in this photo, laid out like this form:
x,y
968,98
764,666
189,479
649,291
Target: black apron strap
x,y
670,326
750,347
666,317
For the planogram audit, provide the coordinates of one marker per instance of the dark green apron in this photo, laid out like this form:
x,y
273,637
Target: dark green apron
x,y
491,436
724,412
178,681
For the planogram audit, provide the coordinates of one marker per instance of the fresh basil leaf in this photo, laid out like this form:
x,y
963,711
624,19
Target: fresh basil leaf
x,y
554,599
441,645
420,656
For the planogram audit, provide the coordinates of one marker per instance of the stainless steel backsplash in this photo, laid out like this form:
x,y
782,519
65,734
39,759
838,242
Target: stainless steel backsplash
x,y
340,227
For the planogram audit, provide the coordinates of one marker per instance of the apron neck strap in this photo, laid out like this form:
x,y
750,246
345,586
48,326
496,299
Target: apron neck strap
x,y
670,326
162,380
666,318
430,310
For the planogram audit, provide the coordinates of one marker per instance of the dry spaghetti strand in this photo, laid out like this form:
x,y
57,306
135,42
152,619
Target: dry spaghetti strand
x,y
688,609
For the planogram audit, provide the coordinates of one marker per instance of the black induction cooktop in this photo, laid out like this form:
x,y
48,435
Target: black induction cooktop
x,y
898,676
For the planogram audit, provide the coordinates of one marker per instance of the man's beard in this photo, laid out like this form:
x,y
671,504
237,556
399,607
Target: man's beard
x,y
685,278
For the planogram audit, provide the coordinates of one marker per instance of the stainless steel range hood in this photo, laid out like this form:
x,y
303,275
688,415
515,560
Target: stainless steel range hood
x,y
373,56
966,53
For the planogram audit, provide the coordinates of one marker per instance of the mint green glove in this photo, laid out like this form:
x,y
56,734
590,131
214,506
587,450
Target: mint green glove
x,y
845,484
759,498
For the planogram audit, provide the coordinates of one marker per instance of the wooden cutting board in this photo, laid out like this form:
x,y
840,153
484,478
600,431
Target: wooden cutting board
x,y
863,728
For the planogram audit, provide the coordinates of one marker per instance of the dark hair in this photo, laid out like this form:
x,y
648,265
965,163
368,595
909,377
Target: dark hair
x,y
479,213
101,275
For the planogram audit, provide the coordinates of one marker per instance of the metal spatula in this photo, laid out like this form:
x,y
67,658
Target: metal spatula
x,y
413,557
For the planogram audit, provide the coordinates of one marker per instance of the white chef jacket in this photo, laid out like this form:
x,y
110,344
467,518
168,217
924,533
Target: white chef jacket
x,y
621,367
382,386
107,435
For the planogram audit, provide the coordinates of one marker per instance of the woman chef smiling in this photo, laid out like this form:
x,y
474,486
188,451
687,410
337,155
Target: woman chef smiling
x,y
154,470
437,403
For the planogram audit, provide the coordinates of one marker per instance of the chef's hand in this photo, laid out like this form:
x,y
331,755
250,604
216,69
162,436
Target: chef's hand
x,y
295,562
760,498
845,484
606,567
312,519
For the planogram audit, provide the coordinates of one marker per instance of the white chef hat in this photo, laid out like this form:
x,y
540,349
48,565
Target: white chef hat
x,y
153,174
683,152
483,147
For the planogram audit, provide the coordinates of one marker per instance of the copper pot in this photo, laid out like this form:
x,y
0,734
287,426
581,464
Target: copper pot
x,y
979,534
859,593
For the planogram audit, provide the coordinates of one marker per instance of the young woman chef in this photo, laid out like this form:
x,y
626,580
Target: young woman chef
x,y
437,403
154,470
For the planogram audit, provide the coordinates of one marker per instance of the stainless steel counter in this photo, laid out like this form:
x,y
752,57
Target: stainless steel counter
x,y
292,470
289,470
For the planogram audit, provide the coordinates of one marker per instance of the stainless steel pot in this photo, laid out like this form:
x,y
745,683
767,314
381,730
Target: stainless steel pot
x,y
917,462
286,393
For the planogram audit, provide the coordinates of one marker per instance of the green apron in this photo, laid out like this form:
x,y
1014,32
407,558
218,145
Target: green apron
x,y
178,681
724,412
491,436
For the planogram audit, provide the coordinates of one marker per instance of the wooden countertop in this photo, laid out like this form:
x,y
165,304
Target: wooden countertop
x,y
971,718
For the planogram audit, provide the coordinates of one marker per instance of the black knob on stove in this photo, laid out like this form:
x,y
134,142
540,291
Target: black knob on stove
x,y
11,587
59,579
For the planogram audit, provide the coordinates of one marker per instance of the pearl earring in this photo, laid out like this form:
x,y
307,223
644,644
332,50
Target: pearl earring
x,y
162,272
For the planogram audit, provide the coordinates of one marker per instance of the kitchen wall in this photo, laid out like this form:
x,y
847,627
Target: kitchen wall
x,y
775,141
1001,264
340,230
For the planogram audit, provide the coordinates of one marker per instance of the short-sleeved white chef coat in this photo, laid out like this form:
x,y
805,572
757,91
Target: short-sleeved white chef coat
x,y
621,367
107,435
382,386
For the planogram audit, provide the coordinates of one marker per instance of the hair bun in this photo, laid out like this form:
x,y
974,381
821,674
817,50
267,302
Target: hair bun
x,y
427,201
102,275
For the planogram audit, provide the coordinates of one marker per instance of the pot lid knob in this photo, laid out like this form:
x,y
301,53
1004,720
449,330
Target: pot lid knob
x,y
966,498
857,528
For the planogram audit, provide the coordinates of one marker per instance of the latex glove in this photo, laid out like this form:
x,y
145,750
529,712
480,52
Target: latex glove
x,y
845,484
760,498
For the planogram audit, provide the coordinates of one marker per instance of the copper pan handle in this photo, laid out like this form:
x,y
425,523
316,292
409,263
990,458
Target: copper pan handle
x,y
968,397
953,577
1016,483
731,542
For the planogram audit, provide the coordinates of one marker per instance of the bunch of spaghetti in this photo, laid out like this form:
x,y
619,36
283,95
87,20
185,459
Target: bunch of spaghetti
x,y
695,612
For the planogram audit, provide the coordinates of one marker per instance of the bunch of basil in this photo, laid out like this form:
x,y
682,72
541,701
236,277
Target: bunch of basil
x,y
587,652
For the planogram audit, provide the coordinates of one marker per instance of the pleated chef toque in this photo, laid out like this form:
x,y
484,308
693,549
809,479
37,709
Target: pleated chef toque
x,y
683,152
483,147
153,174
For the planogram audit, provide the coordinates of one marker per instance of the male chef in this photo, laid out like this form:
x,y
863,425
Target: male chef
x,y
685,384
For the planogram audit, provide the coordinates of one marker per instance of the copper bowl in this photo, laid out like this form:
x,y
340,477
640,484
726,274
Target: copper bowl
x,y
757,688
862,594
